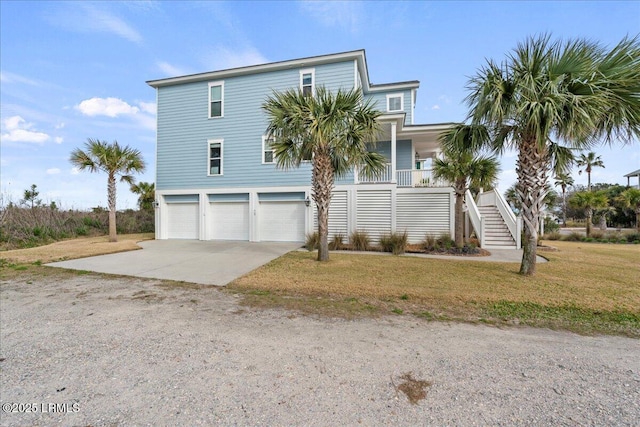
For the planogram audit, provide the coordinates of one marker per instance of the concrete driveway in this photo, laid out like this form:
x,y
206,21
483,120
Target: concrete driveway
x,y
203,262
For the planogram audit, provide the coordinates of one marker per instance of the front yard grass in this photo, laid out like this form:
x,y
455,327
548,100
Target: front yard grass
x,y
585,287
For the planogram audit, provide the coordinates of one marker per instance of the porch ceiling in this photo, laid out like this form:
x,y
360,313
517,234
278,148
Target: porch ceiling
x,y
424,137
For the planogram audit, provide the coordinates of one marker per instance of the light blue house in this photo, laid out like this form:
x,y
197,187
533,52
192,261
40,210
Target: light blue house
x,y
216,176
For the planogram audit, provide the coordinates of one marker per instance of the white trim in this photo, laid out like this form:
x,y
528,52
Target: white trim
x,y
356,84
311,71
394,147
264,139
212,84
395,95
215,141
413,104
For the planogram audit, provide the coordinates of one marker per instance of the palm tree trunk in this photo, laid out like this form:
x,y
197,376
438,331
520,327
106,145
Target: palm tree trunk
x,y
532,168
459,224
589,218
564,206
111,196
322,185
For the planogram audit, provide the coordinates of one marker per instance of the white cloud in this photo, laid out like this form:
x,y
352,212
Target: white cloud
x,y
435,107
344,14
445,99
171,70
18,130
53,171
59,139
148,107
75,171
6,77
110,107
60,125
222,58
93,18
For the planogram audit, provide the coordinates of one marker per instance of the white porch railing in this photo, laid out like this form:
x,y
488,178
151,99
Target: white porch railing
x,y
384,177
406,178
474,215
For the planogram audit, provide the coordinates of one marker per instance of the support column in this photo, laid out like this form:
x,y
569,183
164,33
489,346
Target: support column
x,y
393,152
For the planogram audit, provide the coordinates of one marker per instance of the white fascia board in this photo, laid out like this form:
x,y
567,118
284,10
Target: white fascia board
x,y
262,68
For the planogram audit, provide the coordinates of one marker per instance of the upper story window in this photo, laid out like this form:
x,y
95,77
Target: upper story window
x,y
395,102
216,99
215,157
308,81
267,152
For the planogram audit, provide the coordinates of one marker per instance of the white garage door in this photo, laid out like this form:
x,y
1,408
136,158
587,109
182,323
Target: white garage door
x,y
230,220
183,220
282,221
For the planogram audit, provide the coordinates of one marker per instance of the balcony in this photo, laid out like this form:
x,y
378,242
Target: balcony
x,y
406,178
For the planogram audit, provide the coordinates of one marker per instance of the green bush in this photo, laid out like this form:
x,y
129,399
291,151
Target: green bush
x,y
633,237
360,240
550,225
396,243
429,243
445,241
552,236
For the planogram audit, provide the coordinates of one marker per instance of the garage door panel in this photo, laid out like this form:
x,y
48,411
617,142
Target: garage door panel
x,y
282,221
183,220
230,221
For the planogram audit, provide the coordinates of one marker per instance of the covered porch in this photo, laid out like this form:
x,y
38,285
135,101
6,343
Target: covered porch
x,y
410,151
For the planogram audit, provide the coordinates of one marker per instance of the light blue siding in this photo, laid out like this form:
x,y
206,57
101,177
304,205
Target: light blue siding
x,y
184,129
379,100
403,152
239,197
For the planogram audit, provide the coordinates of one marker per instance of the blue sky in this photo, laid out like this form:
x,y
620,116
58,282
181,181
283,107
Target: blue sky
x,y
77,70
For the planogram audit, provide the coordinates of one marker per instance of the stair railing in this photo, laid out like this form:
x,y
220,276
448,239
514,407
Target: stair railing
x,y
514,224
477,221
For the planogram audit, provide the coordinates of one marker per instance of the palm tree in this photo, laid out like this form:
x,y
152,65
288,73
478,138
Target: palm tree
x,y
589,161
464,168
334,130
572,94
146,192
630,198
589,201
564,180
113,159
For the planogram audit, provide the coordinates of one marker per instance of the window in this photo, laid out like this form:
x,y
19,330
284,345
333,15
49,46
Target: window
x,y
307,81
395,102
267,152
216,99
215,157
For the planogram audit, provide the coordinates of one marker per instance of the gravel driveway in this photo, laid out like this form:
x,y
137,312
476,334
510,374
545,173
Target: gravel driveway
x,y
91,350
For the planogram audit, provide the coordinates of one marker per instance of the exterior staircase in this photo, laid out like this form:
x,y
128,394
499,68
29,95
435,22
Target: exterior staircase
x,y
496,232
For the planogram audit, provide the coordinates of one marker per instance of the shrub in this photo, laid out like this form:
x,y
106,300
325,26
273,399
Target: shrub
x,y
396,243
360,240
312,241
573,237
633,237
445,241
550,225
337,242
552,236
597,234
429,243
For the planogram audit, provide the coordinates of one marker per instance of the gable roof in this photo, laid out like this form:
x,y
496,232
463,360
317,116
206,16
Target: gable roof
x,y
354,55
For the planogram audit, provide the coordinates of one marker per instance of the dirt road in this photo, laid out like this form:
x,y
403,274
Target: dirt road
x,y
91,350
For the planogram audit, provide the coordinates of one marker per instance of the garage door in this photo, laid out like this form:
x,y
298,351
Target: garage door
x,y
230,220
282,221
183,220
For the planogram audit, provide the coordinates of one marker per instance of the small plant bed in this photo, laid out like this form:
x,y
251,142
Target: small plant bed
x,y
397,244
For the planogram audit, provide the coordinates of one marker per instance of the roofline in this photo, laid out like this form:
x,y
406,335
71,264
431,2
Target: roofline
x,y
357,55
632,174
